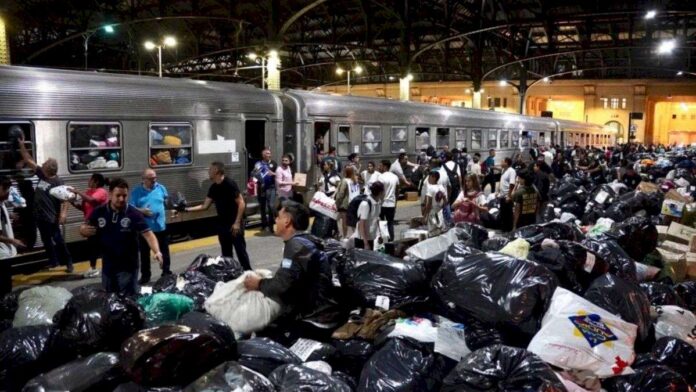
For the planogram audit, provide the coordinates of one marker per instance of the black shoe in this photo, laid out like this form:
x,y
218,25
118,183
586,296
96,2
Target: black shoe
x,y
144,280
166,273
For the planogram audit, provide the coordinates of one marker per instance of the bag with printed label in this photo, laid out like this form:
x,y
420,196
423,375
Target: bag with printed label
x,y
578,335
303,378
231,376
62,192
244,311
507,293
623,298
502,368
264,355
673,321
370,276
324,205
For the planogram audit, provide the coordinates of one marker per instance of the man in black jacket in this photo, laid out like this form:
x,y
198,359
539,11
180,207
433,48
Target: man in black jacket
x,y
302,284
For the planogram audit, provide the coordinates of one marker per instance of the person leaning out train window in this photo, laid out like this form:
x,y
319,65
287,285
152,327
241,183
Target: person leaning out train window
x,y
94,196
329,180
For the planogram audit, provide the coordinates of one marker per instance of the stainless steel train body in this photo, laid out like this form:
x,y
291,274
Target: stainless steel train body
x,y
119,125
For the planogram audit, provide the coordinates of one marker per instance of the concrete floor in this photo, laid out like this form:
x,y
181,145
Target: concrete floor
x,y
265,251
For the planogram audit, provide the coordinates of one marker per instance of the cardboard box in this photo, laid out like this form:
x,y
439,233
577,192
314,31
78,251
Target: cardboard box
x,y
300,180
661,232
647,187
674,204
691,269
674,247
411,196
680,233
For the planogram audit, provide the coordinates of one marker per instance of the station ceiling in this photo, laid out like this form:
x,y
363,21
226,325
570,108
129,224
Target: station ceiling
x,y
434,40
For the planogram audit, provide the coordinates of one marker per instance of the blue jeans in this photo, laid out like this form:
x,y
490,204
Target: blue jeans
x,y
53,241
267,200
123,282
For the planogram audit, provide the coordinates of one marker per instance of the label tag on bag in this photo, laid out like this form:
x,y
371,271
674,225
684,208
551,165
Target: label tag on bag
x,y
303,348
382,302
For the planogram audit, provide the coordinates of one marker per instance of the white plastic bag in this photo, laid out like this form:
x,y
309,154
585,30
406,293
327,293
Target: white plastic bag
x,y
38,305
575,334
420,329
244,311
433,247
324,205
61,193
674,321
518,248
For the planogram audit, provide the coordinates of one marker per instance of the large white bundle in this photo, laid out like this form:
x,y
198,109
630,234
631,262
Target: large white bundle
x,y
244,311
38,305
324,205
575,334
434,247
62,192
676,322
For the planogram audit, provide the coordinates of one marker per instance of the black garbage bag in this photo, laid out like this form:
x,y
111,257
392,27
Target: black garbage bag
x,y
205,322
218,269
494,244
491,219
366,275
687,292
289,378
535,234
403,365
478,335
624,298
97,372
636,235
171,355
506,293
654,378
94,321
178,202
678,355
196,285
231,376
324,227
264,355
133,387
561,188
574,265
473,234
576,208
350,356
502,368
548,213
347,379
8,307
661,294
620,263
26,352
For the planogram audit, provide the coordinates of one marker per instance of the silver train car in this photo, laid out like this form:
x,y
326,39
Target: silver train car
x,y
119,125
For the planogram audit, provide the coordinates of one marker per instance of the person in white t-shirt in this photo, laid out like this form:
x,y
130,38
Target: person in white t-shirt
x,y
368,218
435,200
474,167
507,186
397,168
369,176
391,186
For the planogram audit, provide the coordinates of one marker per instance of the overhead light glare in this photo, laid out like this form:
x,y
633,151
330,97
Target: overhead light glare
x,y
340,71
358,69
169,41
666,47
680,73
503,82
650,14
149,45
109,29
546,79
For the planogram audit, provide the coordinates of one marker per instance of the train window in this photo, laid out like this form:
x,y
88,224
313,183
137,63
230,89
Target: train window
x,y
95,146
372,140
422,138
10,159
170,144
398,139
460,138
476,136
515,138
493,138
442,137
504,138
344,145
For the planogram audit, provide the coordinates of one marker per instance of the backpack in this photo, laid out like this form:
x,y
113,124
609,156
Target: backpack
x,y
352,211
454,182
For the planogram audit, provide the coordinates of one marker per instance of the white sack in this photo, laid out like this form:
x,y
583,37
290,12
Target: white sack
x,y
676,322
38,305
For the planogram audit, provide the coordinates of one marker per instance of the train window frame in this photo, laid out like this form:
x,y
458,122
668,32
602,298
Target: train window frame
x,y
340,143
30,142
514,138
504,138
460,138
71,149
439,146
378,150
403,142
480,139
494,134
421,130
150,146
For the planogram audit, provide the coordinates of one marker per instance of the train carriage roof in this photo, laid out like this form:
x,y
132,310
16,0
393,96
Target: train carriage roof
x,y
46,93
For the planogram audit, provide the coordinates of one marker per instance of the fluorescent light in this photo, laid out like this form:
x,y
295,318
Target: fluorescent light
x,y
273,53
169,41
545,79
680,73
149,45
109,29
666,47
503,82
409,77
467,91
358,69
252,56
650,14
339,71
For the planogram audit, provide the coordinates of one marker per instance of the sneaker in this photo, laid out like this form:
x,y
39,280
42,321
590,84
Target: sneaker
x,y
92,273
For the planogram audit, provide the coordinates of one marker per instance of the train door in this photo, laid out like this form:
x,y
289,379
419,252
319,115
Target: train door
x,y
254,137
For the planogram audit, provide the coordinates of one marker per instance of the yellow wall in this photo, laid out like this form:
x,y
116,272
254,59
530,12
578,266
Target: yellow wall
x,y
567,110
4,44
664,123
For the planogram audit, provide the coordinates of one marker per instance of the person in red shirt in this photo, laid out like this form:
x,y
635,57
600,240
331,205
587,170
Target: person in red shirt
x,y
93,197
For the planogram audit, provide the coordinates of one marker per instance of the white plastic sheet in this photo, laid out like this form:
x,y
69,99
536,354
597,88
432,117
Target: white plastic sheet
x,y
38,305
676,322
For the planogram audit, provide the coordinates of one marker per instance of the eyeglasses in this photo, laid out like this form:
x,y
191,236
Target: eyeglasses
x,y
150,178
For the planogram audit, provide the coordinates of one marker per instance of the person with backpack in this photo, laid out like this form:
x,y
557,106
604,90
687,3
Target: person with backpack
x,y
364,212
347,190
329,180
435,201
391,187
451,170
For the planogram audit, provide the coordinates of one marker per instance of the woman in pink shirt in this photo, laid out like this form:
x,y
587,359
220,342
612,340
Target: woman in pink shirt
x,y
283,177
93,197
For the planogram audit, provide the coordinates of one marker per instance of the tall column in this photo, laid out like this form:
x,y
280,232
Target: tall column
x,y
4,44
405,88
638,106
476,99
272,71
